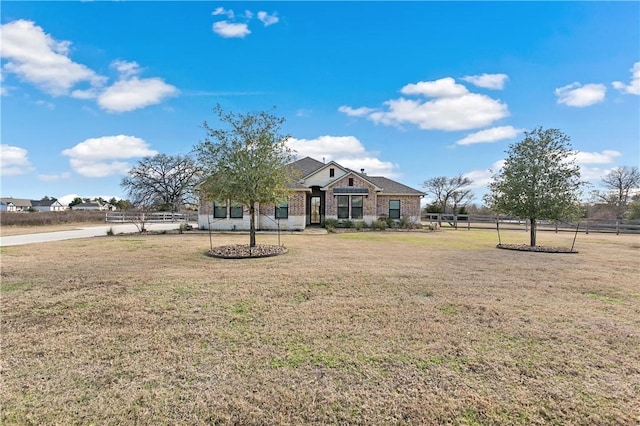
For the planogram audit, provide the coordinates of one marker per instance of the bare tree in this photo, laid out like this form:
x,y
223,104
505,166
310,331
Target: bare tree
x,y
449,192
162,181
619,183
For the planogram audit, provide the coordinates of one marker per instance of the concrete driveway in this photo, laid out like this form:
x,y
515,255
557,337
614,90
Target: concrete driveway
x,y
85,232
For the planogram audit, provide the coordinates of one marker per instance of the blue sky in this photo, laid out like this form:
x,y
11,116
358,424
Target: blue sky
x,y
408,90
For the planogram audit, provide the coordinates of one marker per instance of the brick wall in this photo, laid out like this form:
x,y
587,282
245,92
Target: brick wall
x,y
409,205
331,202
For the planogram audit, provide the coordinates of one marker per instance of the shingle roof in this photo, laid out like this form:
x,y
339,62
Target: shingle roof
x,y
42,203
391,186
19,202
306,165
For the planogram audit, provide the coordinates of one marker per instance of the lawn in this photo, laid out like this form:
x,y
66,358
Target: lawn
x,y
356,328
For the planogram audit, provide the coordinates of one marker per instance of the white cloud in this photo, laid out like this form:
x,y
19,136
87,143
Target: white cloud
x,y
46,104
222,11
37,58
487,81
633,88
454,108
267,19
54,177
605,157
444,87
100,157
14,161
135,93
490,135
355,112
577,95
347,151
228,29
481,178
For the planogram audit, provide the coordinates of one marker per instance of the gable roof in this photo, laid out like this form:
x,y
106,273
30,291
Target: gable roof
x,y
18,202
43,203
307,165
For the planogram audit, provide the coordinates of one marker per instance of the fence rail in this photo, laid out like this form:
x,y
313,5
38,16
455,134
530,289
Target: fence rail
x,y
149,217
468,221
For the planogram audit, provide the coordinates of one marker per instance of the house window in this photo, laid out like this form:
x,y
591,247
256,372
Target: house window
x,y
356,206
235,212
220,209
350,181
343,207
332,172
282,211
394,209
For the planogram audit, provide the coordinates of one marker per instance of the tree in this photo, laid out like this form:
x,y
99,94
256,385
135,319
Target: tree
x,y
539,180
164,182
245,161
619,183
449,192
76,201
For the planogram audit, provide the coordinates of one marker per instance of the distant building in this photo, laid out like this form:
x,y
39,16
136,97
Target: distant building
x,y
11,204
47,206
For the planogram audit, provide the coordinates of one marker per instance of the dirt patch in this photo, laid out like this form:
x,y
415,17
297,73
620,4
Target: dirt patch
x,y
539,249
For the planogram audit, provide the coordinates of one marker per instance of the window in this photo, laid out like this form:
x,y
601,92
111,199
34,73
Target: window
x,y
394,209
235,211
282,211
350,181
343,207
332,172
220,209
356,206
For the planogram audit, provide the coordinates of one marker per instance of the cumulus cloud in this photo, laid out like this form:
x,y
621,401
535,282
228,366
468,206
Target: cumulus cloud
x,y
222,11
231,28
453,107
577,95
347,151
14,161
604,157
490,135
487,81
228,29
131,92
105,156
356,112
37,58
633,88
482,177
267,19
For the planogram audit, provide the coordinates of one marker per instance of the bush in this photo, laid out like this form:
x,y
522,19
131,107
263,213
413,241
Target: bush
x,y
360,225
110,230
329,224
379,224
347,224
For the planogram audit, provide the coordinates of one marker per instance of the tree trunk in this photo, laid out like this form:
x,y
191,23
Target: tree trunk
x,y
533,232
252,226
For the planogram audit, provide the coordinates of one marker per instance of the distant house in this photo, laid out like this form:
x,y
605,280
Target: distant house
x,y
323,191
47,206
15,204
94,206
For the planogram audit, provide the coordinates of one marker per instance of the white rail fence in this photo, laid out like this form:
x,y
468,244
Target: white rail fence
x,y
468,221
149,217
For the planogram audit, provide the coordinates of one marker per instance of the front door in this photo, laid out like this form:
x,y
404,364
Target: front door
x,y
315,210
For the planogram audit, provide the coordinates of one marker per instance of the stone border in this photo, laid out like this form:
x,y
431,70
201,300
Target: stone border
x,y
242,251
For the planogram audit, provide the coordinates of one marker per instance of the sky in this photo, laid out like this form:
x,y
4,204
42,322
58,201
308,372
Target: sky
x,y
407,90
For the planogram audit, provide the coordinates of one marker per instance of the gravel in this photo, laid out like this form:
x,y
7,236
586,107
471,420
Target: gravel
x,y
241,251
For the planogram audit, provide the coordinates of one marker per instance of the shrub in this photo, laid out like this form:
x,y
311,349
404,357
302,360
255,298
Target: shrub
x,y
360,225
330,224
347,224
379,224
110,230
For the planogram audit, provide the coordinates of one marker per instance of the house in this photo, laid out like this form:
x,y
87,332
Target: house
x,y
323,191
47,206
11,204
93,206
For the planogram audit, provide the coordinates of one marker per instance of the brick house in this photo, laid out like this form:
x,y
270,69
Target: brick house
x,y
323,191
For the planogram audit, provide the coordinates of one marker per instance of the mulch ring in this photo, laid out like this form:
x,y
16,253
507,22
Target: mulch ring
x,y
243,251
539,249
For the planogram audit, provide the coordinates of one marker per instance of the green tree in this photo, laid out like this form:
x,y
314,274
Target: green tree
x,y
245,161
76,201
164,182
538,181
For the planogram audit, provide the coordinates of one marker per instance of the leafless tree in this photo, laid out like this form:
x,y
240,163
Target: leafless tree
x,y
162,182
619,184
449,191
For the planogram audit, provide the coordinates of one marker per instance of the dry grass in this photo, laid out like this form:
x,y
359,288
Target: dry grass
x,y
363,328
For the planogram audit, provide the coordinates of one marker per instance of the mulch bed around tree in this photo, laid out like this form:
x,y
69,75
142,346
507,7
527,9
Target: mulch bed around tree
x,y
539,249
243,251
